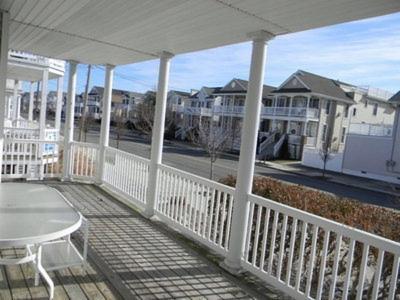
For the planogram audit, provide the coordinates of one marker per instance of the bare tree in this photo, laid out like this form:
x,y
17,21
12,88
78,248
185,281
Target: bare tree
x,y
119,125
325,153
145,115
213,140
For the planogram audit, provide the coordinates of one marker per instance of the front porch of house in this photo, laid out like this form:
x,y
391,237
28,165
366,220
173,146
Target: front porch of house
x,y
301,254
130,257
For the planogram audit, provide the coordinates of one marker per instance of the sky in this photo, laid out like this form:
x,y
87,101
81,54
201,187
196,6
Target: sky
x,y
364,53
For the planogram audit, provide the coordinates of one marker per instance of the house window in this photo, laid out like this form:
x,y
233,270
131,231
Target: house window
x,y
346,111
343,137
354,112
375,109
328,107
366,103
324,128
314,103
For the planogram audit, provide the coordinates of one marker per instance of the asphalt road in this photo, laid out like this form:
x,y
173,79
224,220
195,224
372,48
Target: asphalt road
x,y
194,160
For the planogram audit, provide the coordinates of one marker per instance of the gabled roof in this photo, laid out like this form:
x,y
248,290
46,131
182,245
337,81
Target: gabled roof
x,y
100,91
313,83
179,93
395,99
239,86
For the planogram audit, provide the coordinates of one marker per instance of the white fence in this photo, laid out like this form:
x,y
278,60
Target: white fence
x,y
83,160
31,159
314,258
126,173
371,129
201,208
305,256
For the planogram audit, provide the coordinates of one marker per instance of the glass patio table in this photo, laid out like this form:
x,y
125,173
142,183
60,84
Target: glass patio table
x,y
40,220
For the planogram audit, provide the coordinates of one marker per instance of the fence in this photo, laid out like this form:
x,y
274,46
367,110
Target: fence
x,y
201,208
84,158
309,256
305,256
126,173
31,159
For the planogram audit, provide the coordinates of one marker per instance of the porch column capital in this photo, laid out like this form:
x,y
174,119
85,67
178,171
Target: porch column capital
x,y
260,36
165,55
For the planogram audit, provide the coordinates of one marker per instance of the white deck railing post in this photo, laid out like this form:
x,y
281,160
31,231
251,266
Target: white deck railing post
x,y
247,151
69,119
158,131
43,104
15,100
4,33
60,83
105,121
31,101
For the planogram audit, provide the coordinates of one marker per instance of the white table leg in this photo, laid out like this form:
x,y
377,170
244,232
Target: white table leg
x,y
43,272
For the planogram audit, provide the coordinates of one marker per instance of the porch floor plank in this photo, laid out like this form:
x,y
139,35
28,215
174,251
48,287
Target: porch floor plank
x,y
130,257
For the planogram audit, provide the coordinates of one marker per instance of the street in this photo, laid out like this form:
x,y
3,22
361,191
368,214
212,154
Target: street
x,y
191,159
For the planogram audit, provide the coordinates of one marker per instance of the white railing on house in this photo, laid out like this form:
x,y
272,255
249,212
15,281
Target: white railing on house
x,y
31,159
371,129
299,112
314,258
305,256
84,159
126,173
199,207
51,134
20,56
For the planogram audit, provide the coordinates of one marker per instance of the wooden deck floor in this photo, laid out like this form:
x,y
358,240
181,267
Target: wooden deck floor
x,y
130,258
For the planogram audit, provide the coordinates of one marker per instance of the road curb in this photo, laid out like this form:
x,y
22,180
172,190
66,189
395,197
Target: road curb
x,y
330,180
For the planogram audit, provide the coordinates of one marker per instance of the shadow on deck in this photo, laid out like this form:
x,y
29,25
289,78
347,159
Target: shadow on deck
x,y
130,257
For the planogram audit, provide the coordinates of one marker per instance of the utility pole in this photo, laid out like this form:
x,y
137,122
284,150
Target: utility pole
x,y
85,100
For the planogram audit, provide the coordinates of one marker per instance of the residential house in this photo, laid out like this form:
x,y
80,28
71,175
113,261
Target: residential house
x,y
380,155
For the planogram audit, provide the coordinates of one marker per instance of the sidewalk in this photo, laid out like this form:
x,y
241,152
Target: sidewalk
x,y
359,182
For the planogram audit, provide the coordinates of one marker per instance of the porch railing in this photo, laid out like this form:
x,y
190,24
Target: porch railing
x,y
127,174
303,255
314,257
199,207
31,159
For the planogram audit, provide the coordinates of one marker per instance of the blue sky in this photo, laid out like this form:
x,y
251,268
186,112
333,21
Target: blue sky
x,y
364,53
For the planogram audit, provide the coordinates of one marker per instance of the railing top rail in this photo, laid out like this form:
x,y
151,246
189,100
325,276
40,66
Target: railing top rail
x,y
198,179
344,230
142,159
30,141
85,144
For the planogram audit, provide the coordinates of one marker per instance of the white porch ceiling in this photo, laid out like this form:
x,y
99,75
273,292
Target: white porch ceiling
x,y
122,32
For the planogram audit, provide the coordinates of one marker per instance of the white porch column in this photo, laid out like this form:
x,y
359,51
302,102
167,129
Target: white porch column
x,y
105,120
305,122
43,104
69,118
31,101
3,75
15,100
248,147
60,83
158,131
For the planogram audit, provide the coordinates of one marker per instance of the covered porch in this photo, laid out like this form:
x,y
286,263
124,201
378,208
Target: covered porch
x,y
299,254
130,257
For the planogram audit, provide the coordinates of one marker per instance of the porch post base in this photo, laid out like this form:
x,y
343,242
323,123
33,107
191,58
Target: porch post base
x,y
231,267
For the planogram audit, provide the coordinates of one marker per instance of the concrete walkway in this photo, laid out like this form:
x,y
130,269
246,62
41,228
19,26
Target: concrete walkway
x,y
339,178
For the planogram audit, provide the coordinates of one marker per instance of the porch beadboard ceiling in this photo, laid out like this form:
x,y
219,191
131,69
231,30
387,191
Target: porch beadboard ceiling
x,y
121,32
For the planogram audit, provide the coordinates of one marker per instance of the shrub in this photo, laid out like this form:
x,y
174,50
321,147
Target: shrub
x,y
381,221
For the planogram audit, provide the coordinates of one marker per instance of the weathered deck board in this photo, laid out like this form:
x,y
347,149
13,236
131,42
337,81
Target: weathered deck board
x,y
130,257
